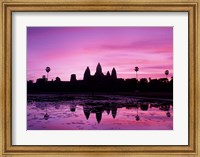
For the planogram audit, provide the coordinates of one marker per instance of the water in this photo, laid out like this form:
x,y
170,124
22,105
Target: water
x,y
99,112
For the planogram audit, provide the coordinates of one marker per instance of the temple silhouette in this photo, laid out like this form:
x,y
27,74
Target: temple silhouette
x,y
100,82
99,76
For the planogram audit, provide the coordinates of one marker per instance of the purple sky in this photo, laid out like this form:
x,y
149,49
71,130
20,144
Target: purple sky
x,y
69,50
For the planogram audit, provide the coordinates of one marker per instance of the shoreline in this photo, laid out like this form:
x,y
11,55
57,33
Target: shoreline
x,y
149,95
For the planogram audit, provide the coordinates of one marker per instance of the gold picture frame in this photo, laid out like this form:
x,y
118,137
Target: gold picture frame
x,y
9,6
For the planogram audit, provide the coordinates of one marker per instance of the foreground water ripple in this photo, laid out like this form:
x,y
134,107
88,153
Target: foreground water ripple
x,y
99,112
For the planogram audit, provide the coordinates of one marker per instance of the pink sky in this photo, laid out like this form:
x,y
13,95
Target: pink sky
x,y
69,50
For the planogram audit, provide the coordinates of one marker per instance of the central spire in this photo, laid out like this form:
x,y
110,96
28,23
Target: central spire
x,y
98,70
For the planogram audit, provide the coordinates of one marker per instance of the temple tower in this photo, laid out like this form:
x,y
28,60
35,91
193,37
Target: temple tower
x,y
87,74
73,78
108,74
114,74
99,73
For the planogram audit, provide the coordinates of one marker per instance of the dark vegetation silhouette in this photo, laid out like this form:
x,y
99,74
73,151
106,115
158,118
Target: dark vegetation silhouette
x,y
101,83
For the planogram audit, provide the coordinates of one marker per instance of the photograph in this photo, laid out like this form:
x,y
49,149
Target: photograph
x,y
99,78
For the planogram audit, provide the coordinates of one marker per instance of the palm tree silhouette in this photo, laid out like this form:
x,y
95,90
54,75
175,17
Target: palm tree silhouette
x,y
47,70
166,73
168,114
137,117
46,116
136,70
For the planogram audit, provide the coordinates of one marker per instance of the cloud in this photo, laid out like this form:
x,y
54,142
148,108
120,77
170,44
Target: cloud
x,y
159,67
134,47
156,45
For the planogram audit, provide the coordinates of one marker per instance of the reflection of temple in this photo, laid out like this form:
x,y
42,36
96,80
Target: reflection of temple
x,y
108,111
144,107
98,116
99,74
72,107
86,111
98,107
114,112
89,108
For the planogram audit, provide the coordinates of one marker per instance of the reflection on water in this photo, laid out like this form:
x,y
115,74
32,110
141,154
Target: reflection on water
x,y
102,112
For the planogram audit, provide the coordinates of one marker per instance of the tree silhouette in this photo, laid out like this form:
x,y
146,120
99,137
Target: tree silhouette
x,y
136,70
137,117
47,70
168,114
58,79
46,116
166,73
